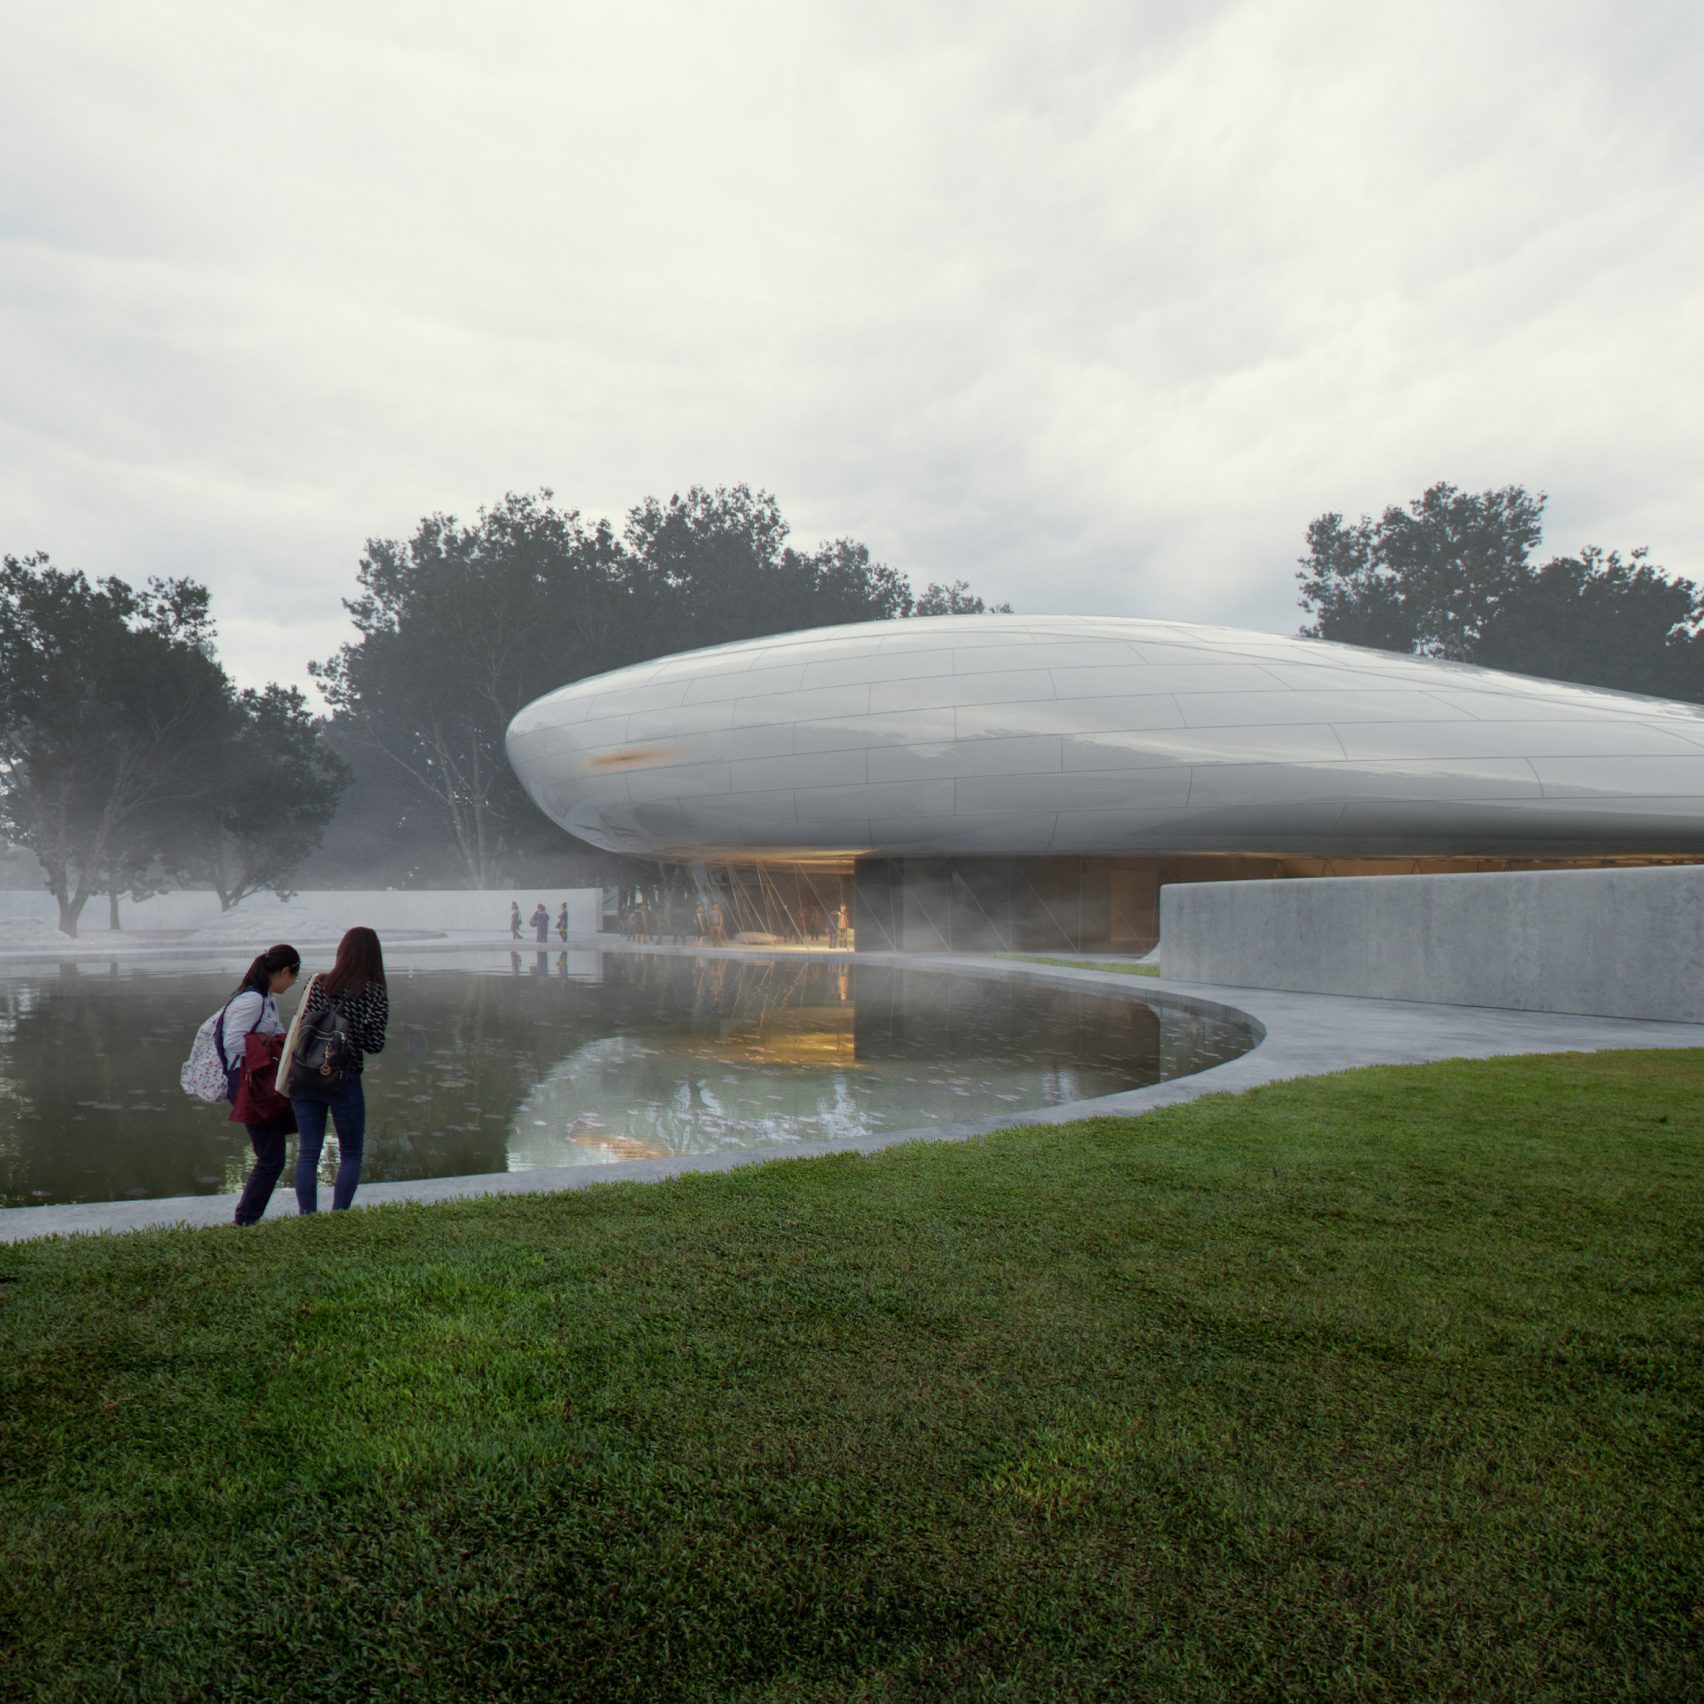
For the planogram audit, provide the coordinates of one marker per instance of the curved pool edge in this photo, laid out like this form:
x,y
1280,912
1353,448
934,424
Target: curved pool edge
x,y
1299,1035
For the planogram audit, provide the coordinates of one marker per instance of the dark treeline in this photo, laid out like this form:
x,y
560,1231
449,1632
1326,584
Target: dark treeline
x,y
1456,575
130,764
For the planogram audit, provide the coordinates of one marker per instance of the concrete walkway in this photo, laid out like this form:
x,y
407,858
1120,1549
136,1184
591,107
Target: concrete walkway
x,y
1301,1035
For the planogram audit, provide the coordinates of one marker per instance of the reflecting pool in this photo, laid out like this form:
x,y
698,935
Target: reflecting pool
x,y
512,1061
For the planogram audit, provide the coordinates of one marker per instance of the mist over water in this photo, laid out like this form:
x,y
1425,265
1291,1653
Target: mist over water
x,y
509,1061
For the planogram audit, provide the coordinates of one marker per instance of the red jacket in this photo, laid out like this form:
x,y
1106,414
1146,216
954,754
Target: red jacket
x,y
258,1100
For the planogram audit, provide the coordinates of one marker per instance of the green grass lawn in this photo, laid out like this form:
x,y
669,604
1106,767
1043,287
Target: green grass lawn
x,y
1382,1386
1085,964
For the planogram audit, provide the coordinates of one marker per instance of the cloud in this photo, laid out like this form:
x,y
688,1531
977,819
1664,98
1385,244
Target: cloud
x,y
1093,306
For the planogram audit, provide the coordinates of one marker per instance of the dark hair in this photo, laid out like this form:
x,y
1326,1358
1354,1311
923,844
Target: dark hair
x,y
259,975
359,963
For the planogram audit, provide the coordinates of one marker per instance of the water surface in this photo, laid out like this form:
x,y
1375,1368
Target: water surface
x,y
512,1061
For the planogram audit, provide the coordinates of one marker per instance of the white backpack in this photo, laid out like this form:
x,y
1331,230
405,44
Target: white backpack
x,y
204,1075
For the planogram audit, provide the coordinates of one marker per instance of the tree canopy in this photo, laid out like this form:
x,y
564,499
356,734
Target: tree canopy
x,y
715,566
129,761
277,787
956,599
458,627
1452,575
1603,620
123,745
462,624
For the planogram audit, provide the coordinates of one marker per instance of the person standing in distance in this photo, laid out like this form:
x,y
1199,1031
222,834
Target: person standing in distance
x,y
356,986
254,1009
541,924
514,919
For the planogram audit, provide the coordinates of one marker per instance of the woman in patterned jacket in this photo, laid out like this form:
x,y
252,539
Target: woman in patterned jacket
x,y
356,986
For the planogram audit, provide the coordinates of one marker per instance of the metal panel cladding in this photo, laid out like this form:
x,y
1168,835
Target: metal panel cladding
x,y
1003,734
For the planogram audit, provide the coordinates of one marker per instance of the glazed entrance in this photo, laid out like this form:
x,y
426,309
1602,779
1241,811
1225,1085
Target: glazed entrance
x,y
1034,905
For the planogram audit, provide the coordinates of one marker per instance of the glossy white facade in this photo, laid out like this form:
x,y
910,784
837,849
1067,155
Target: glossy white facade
x,y
1003,734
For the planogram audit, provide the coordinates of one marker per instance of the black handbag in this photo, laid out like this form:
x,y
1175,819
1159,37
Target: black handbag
x,y
326,1054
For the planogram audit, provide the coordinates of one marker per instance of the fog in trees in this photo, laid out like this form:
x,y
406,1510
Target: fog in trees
x,y
128,761
462,624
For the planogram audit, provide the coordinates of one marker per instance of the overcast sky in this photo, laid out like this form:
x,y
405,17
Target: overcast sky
x,y
1094,305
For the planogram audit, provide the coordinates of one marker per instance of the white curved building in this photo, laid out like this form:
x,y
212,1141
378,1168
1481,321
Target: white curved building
x,y
1002,736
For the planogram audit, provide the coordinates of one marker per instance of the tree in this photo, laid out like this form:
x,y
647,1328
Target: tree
x,y
1426,578
387,830
111,710
715,566
126,757
956,599
1602,621
457,629
136,871
463,624
277,789
1452,576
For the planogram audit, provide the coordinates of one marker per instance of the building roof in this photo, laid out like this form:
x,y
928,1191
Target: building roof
x,y
1004,734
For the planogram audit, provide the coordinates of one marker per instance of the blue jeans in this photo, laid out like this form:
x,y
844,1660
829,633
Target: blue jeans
x,y
348,1110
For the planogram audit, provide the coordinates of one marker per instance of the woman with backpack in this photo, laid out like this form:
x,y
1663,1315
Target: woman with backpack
x,y
253,1010
346,1009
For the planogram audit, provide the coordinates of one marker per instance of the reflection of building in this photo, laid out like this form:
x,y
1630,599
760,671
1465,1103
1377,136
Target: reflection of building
x,y
723,1053
1032,782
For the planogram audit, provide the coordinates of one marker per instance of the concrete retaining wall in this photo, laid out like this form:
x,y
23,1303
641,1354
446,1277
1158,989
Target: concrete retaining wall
x,y
381,909
1616,943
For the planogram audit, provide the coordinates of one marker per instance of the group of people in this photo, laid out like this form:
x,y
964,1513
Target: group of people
x,y
540,921
644,922
353,990
641,921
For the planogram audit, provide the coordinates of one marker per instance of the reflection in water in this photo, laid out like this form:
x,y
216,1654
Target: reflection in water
x,y
518,1060
783,1052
